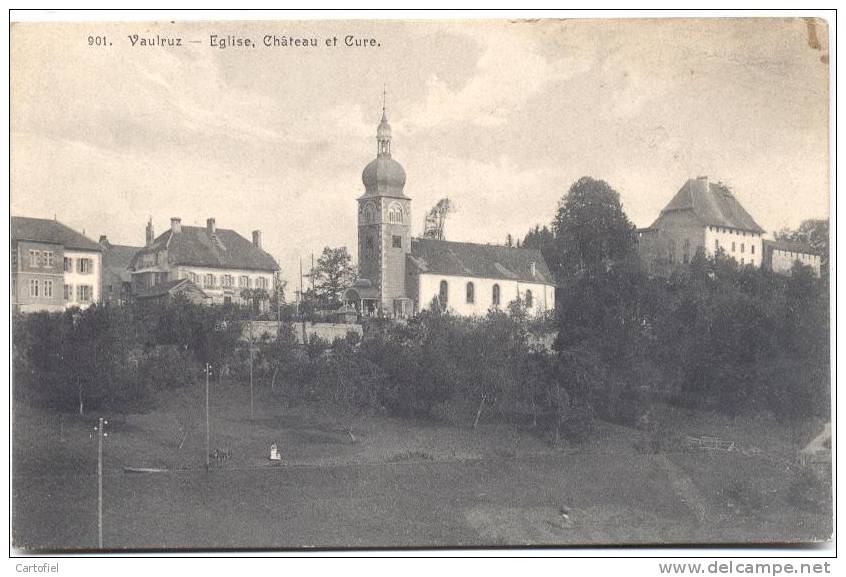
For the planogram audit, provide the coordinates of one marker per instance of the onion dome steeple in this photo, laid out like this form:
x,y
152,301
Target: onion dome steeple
x,y
384,176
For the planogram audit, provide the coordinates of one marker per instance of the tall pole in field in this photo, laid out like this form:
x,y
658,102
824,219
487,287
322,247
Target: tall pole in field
x,y
251,369
100,484
207,416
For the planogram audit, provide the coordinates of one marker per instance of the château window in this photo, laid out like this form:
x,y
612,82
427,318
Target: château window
x,y
227,280
396,241
48,258
84,265
471,293
243,281
753,249
34,260
732,247
743,247
69,292
443,294
209,280
261,282
495,296
716,244
529,299
33,288
48,289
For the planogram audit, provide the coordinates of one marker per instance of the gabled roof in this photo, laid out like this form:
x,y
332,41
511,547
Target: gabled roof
x,y
169,288
789,246
225,248
478,260
117,258
713,204
50,231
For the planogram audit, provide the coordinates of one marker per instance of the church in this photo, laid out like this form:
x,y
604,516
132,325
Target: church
x,y
400,275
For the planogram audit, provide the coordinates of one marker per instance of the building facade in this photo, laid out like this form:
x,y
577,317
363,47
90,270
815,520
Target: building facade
x,y
117,278
401,275
219,261
780,256
53,266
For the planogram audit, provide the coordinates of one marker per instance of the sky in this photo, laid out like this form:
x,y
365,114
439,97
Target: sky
x,y
499,116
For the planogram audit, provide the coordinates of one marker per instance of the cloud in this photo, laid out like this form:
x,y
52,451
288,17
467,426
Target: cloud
x,y
508,73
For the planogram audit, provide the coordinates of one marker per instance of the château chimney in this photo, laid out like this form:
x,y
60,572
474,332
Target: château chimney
x,y
257,238
104,241
150,235
176,225
701,184
210,227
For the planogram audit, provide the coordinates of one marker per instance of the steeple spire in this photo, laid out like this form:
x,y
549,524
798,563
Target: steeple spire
x,y
383,133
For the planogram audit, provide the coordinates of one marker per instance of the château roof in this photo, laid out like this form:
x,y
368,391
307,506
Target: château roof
x,y
50,231
196,246
478,260
713,204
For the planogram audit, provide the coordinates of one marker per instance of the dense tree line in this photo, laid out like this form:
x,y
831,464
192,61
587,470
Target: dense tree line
x,y
118,358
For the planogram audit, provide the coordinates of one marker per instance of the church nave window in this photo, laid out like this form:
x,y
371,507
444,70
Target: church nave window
x,y
529,299
471,293
495,296
443,294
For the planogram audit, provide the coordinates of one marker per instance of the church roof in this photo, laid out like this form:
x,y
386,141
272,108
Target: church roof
x,y
478,260
712,204
50,231
196,246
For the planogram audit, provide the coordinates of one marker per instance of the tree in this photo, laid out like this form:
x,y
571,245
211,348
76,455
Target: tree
x,y
591,230
332,275
542,239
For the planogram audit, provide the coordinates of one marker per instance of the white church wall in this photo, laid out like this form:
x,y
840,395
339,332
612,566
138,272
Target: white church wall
x,y
543,296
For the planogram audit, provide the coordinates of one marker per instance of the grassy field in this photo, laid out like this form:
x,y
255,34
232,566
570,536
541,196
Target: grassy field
x,y
398,483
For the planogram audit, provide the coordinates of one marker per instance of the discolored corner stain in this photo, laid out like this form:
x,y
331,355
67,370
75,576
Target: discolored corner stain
x,y
813,39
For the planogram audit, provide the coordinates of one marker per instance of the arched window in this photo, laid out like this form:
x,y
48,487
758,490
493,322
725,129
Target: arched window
x,y
395,214
529,300
686,250
443,294
368,247
495,297
471,293
369,213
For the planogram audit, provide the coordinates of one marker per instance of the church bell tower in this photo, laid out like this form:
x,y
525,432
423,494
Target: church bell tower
x,y
384,229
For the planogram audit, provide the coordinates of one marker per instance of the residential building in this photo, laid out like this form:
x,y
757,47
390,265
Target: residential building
x,y
400,275
53,266
219,261
117,278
